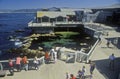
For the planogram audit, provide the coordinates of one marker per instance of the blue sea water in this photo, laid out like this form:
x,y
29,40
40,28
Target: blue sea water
x,y
9,23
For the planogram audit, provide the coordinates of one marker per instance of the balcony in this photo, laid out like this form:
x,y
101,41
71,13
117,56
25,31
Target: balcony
x,y
54,24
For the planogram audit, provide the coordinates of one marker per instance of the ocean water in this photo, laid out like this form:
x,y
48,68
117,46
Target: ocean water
x,y
9,24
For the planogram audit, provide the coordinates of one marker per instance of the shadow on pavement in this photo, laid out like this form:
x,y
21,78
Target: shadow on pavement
x,y
103,68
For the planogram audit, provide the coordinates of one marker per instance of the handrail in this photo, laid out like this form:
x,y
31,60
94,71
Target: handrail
x,y
28,59
85,56
34,24
5,65
80,55
93,47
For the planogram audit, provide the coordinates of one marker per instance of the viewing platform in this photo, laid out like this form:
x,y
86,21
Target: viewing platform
x,y
90,25
54,24
58,70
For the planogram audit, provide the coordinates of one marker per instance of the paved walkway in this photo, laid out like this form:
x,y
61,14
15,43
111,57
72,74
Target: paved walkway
x,y
53,71
101,55
59,69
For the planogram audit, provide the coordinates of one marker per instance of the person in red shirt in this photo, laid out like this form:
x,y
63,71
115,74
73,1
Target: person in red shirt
x,y
11,67
18,63
47,57
72,76
25,63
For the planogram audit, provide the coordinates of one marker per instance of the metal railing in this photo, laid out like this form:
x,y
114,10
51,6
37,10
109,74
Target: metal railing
x,y
30,64
33,24
92,49
80,56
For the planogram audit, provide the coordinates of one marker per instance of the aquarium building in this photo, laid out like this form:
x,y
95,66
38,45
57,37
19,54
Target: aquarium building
x,y
48,20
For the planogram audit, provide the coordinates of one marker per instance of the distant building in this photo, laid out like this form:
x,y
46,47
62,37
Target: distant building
x,y
50,19
63,16
108,14
70,17
55,16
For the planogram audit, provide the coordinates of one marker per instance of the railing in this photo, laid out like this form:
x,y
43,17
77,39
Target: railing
x,y
77,56
30,64
90,52
99,27
39,24
74,55
69,22
81,56
33,24
67,55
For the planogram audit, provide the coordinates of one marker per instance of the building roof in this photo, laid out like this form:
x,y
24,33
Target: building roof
x,y
54,14
76,9
114,6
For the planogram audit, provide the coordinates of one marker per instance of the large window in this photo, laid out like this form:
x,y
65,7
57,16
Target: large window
x,y
52,20
60,18
45,19
39,20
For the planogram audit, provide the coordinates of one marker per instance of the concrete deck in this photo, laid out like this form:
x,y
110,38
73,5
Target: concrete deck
x,y
58,70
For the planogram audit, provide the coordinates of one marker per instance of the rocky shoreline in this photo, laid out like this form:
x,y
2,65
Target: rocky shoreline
x,y
26,43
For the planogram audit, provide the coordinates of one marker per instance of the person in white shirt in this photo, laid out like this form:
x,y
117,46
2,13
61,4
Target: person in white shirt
x,y
112,61
54,54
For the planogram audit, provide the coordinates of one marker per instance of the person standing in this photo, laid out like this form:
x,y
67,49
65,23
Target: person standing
x,y
83,72
92,67
100,38
53,54
80,74
47,57
67,75
18,63
108,43
11,67
36,62
25,63
112,61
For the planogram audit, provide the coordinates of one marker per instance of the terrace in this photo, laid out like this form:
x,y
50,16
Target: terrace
x,y
58,70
